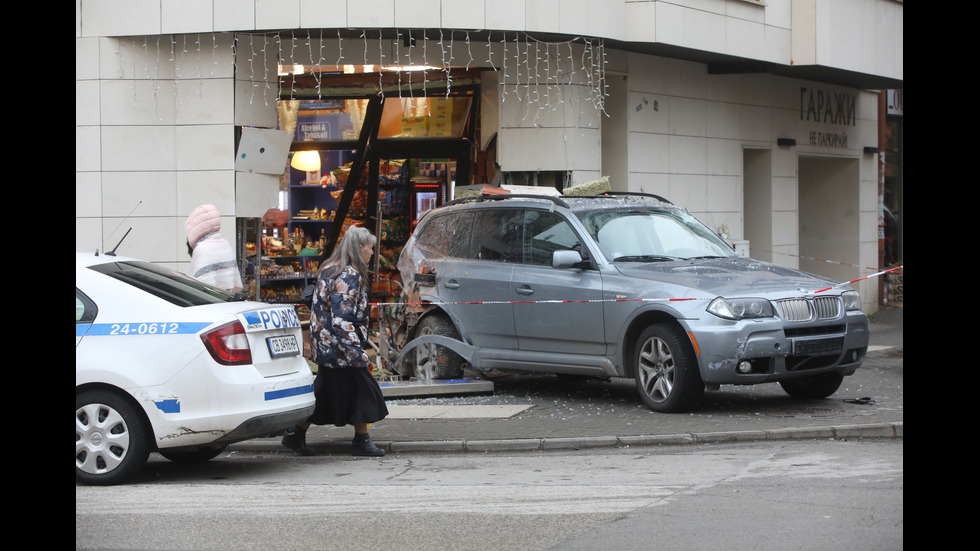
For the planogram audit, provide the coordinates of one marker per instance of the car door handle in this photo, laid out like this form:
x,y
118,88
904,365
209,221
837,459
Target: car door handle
x,y
451,284
525,290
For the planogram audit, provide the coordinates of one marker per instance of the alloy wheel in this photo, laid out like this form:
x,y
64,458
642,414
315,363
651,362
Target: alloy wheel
x,y
656,369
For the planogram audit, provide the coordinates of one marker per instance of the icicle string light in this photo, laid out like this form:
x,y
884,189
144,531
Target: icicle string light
x,y
265,66
503,42
398,39
318,64
156,83
251,67
517,66
340,48
425,64
364,36
446,63
381,64
407,37
489,60
176,66
541,80
214,53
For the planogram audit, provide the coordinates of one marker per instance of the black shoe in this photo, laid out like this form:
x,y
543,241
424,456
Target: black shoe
x,y
362,446
295,439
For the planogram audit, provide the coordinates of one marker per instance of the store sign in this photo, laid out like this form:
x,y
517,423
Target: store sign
x,y
895,106
826,107
320,121
311,131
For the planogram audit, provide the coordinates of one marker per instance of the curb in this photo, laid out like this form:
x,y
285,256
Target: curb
x,y
833,432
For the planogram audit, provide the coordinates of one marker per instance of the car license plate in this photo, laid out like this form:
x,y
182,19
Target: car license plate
x,y
285,345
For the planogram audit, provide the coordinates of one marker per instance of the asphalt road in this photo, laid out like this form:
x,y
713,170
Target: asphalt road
x,y
759,496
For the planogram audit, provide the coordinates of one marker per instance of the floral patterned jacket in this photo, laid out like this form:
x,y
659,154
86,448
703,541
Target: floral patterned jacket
x,y
339,320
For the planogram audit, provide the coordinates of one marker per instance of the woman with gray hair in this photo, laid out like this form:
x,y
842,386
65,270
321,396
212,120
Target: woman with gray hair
x,y
346,392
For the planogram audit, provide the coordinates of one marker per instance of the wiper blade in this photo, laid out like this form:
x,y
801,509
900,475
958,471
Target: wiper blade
x,y
705,257
645,258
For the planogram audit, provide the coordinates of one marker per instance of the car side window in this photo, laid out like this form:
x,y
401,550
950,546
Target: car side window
x,y
85,309
434,237
497,235
544,233
459,234
448,234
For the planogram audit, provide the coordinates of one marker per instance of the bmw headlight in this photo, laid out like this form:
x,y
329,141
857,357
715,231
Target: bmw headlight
x,y
852,300
741,308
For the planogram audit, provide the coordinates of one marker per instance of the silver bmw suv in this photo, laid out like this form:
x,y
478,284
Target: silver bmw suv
x,y
623,285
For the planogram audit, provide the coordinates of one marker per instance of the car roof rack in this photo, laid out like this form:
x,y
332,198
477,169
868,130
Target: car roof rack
x,y
554,199
500,196
635,194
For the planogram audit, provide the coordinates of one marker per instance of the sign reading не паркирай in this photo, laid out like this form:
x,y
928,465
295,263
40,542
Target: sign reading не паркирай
x,y
823,106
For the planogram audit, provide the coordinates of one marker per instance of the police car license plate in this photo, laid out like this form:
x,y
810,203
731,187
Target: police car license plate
x,y
284,345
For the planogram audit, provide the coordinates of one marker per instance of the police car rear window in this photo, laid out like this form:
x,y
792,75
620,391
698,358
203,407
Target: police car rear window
x,y
173,287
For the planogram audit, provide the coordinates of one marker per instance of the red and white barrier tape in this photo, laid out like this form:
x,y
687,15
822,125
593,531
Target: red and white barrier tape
x,y
827,261
604,300
535,301
881,273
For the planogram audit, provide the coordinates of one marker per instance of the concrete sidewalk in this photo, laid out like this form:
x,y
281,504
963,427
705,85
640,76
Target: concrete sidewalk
x,y
541,412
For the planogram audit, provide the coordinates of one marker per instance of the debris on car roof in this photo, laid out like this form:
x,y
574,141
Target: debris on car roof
x,y
533,190
594,187
461,192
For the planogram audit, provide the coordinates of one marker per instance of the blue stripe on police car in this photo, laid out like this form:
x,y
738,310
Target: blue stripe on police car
x,y
140,328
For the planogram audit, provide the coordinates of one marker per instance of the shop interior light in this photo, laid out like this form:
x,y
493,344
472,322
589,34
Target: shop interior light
x,y
291,70
408,68
306,160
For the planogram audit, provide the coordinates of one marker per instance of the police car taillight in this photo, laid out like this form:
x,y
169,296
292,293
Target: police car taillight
x,y
228,344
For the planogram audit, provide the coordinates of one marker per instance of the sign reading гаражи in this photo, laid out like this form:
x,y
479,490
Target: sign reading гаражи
x,y
828,107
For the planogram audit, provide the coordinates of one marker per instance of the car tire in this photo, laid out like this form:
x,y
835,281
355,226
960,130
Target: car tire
x,y
815,387
667,375
199,455
433,361
112,439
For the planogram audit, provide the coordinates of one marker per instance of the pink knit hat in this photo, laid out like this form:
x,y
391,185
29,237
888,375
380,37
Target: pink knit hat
x,y
202,221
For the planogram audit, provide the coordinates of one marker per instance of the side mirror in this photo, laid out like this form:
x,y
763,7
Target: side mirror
x,y
564,260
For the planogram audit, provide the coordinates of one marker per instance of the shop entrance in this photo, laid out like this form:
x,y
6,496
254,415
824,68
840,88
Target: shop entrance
x,y
829,189
360,157
383,161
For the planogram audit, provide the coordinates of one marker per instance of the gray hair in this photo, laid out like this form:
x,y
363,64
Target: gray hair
x,y
348,252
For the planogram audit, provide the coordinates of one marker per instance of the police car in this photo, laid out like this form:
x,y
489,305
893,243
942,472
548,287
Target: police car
x,y
168,364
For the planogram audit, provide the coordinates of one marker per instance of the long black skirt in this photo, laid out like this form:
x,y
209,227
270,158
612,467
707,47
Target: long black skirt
x,y
347,396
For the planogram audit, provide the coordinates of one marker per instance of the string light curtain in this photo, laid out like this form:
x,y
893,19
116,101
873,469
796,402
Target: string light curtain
x,y
540,75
